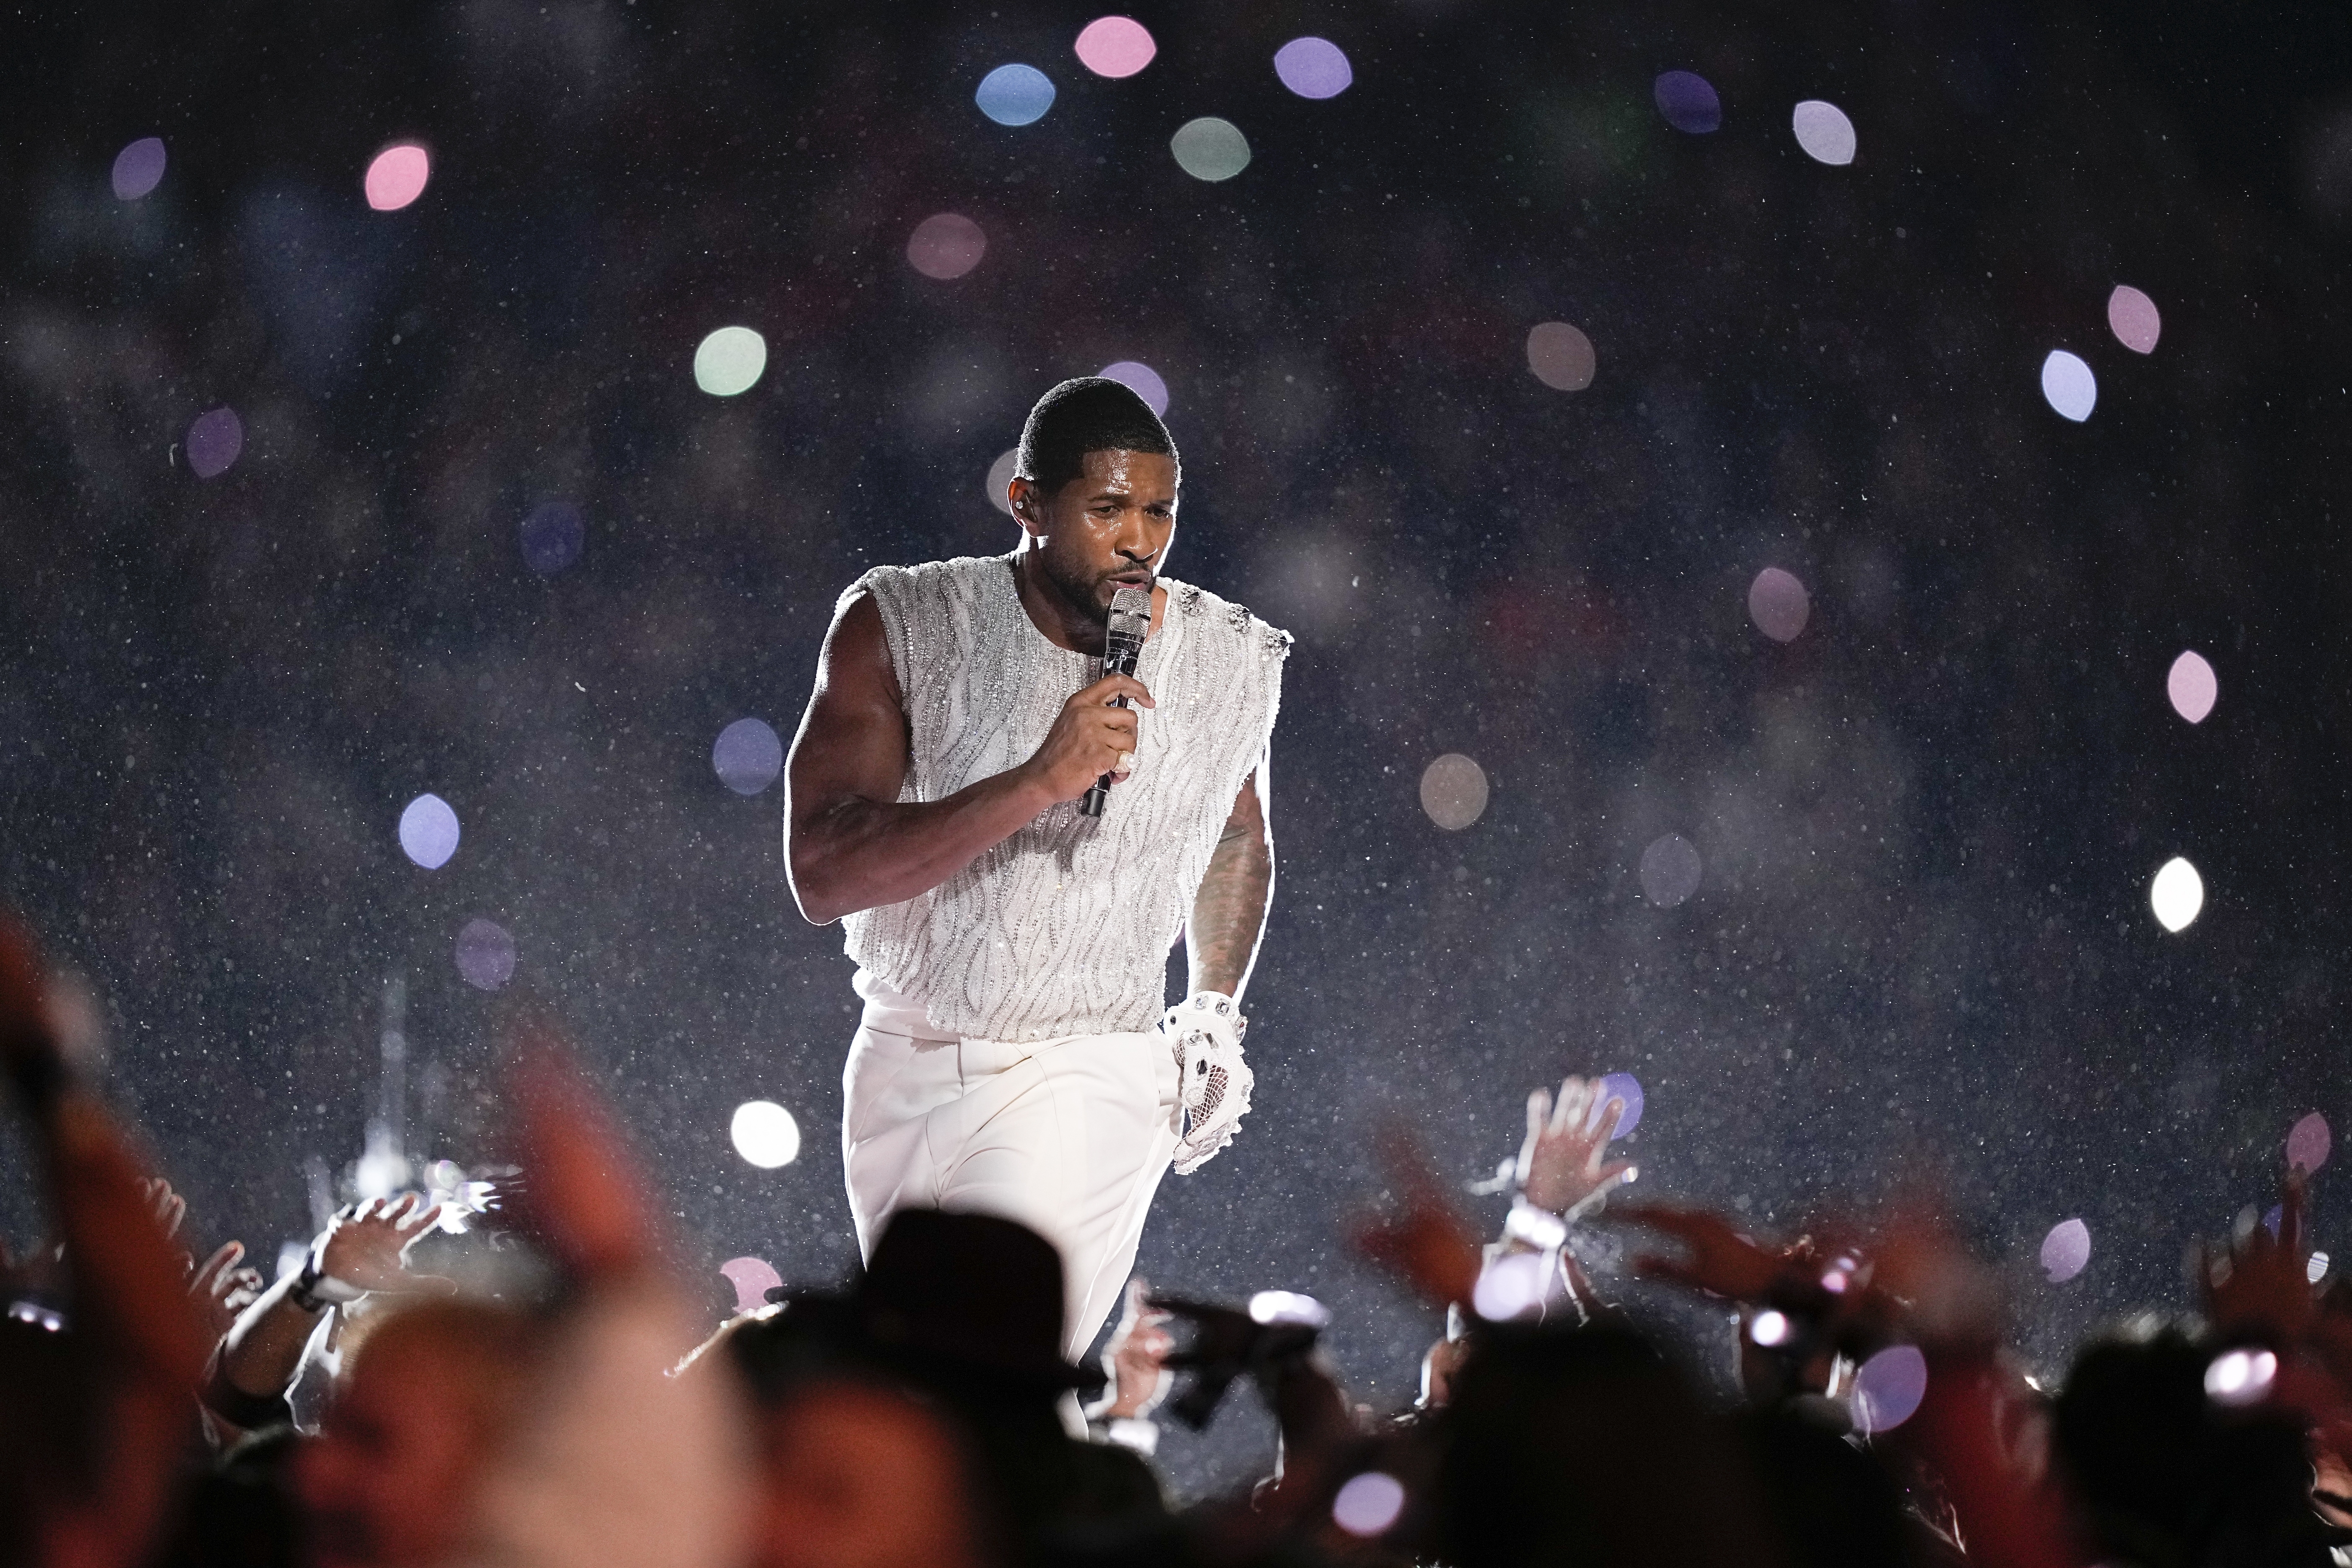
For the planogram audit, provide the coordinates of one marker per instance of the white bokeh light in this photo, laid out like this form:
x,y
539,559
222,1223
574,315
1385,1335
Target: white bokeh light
x,y
1454,792
1368,1504
2066,1250
765,1133
2192,685
730,360
2241,1376
2068,384
1288,1307
1823,131
428,831
1210,149
2177,894
1000,480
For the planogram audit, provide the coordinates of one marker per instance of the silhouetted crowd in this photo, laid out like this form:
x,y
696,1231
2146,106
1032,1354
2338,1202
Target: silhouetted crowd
x,y
540,1390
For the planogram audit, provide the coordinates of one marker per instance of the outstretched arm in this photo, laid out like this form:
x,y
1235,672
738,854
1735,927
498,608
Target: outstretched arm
x,y
850,844
1228,912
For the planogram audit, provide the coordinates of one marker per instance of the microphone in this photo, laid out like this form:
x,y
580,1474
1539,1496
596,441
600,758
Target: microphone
x,y
1123,635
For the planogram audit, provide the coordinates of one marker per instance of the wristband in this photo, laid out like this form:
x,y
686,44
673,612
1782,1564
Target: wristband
x,y
1133,1432
315,1289
1538,1227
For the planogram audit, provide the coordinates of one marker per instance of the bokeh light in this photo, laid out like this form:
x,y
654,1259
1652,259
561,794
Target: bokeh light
x,y
2241,1376
2177,894
1141,379
2308,1143
1561,356
1314,67
747,755
2192,685
428,831
138,168
1454,792
945,245
1769,1327
2314,1270
214,438
1689,103
1671,870
2070,387
397,177
2132,317
1778,605
554,533
1368,1503
730,360
1015,95
752,1278
2066,1250
765,1133
1000,479
1622,1086
1889,1387
486,955
1115,47
1513,1286
1288,1307
1823,131
1210,149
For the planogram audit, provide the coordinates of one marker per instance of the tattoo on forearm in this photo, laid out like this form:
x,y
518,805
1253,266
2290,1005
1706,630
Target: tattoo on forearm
x,y
1229,912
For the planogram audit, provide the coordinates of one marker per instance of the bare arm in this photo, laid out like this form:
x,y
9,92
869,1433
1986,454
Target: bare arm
x,y
850,844
1228,912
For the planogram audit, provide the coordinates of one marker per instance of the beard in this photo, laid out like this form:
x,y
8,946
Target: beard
x,y
1088,593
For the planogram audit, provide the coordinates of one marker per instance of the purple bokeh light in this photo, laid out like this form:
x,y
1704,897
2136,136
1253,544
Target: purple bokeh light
x,y
1622,1086
429,831
486,955
2309,1143
553,535
1314,67
747,755
1778,605
1144,380
1889,1387
2133,317
1671,870
752,1278
946,246
214,438
2066,1250
138,168
1688,101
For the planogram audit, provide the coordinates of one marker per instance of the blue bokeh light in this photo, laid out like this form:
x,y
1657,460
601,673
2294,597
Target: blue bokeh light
x,y
1015,95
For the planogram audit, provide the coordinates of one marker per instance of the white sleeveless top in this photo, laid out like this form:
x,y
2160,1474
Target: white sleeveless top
x,y
1065,926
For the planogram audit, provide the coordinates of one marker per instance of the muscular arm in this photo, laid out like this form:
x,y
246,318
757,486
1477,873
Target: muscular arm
x,y
1228,912
850,844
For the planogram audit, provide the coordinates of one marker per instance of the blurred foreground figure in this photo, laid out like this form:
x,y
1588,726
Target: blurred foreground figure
x,y
1011,948
914,1418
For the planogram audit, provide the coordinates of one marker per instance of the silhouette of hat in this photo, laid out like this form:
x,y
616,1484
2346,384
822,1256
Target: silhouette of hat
x,y
970,1294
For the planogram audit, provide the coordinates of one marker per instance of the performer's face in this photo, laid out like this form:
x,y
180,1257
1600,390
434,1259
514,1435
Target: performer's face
x,y
1109,526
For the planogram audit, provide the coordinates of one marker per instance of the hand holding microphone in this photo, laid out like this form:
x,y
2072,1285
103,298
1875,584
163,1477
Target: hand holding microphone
x,y
1090,736
1124,632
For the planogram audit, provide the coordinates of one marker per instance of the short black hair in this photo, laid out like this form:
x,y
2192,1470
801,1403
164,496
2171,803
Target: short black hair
x,y
1088,414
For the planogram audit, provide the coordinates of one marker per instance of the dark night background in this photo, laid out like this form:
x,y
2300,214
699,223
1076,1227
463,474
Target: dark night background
x,y
1922,955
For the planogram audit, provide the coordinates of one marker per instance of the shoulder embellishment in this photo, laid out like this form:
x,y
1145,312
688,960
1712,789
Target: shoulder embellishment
x,y
1278,642
1187,599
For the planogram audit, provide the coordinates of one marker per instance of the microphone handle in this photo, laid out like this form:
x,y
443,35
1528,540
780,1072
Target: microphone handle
x,y
1091,803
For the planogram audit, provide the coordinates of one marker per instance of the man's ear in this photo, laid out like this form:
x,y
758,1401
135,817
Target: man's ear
x,y
1028,504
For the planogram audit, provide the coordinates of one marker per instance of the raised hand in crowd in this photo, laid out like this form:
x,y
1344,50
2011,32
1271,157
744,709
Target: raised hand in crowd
x,y
137,1342
1561,1167
1135,1358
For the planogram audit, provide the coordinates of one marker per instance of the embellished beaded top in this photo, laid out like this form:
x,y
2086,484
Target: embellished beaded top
x,y
1064,928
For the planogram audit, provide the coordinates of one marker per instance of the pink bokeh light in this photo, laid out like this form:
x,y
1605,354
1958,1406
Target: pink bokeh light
x,y
1115,47
397,175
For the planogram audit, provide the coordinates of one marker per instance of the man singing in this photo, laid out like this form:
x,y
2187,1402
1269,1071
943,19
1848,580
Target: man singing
x,y
1010,949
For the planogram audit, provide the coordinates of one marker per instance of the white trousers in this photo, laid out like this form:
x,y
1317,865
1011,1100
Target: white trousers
x,y
1068,1136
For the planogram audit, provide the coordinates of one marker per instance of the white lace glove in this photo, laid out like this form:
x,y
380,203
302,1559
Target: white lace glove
x,y
1205,1032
